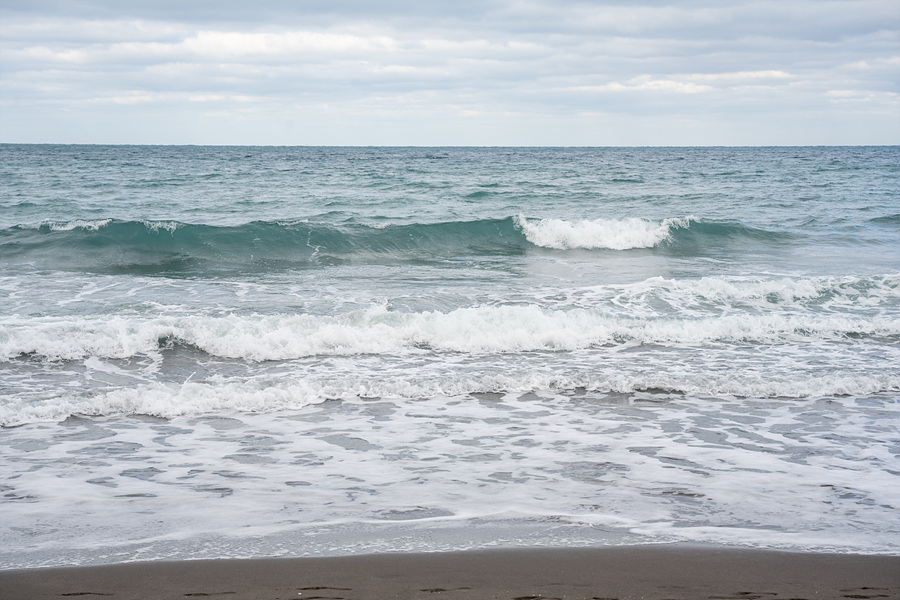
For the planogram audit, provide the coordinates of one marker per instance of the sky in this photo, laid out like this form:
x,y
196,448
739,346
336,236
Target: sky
x,y
467,72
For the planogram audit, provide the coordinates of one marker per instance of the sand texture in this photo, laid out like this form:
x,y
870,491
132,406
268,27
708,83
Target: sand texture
x,y
646,572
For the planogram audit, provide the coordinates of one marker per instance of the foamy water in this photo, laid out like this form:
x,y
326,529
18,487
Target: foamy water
x,y
612,234
603,468
362,350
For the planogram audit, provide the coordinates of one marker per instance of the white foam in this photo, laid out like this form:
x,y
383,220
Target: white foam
x,y
87,225
296,388
612,234
813,475
376,330
708,296
832,292
156,226
172,400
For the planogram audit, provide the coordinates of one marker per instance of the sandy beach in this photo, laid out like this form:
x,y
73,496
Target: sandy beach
x,y
646,572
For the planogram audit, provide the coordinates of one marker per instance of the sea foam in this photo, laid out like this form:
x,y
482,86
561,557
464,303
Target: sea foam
x,y
612,234
267,393
83,224
379,331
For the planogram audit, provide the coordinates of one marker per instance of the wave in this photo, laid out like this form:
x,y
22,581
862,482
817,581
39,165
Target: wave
x,y
219,394
147,247
70,225
110,245
633,233
847,294
379,331
887,220
612,234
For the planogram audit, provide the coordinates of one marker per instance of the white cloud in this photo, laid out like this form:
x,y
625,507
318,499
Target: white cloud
x,y
132,97
230,45
504,64
647,83
222,98
739,76
884,99
888,62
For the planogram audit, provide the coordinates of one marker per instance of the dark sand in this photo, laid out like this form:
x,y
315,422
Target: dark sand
x,y
649,572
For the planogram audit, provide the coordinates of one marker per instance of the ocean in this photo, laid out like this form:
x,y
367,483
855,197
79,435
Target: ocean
x,y
215,352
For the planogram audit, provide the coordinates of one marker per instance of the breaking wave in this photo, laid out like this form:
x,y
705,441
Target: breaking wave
x,y
379,331
219,394
611,234
160,247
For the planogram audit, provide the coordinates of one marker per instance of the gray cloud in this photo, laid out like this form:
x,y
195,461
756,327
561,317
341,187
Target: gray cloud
x,y
467,72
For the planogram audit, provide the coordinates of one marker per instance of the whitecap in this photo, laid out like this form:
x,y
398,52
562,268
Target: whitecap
x,y
611,234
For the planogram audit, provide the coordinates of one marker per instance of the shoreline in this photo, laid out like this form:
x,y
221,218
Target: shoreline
x,y
661,572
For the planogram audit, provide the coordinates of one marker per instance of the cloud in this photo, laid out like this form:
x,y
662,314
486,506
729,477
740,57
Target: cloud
x,y
438,67
233,45
739,76
647,83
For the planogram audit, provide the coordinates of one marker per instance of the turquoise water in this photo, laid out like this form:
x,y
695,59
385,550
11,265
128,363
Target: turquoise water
x,y
236,351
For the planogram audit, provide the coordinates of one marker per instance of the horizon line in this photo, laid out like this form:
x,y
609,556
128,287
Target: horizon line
x,y
461,146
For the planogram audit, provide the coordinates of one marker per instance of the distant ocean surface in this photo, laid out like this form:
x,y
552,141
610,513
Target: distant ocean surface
x,y
258,351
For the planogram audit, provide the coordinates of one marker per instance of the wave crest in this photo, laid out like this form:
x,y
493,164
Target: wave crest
x,y
378,331
77,224
265,394
610,234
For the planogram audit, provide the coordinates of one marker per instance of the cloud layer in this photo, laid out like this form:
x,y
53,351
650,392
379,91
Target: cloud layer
x,y
481,73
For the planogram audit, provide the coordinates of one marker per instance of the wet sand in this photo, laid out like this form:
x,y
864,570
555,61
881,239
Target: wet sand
x,y
673,572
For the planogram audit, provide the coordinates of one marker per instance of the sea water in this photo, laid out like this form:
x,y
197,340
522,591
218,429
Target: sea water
x,y
242,351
